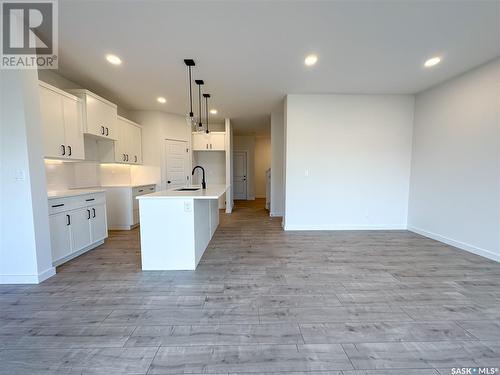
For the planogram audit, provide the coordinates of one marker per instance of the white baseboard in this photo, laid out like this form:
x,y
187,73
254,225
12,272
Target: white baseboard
x,y
276,214
344,227
458,244
28,279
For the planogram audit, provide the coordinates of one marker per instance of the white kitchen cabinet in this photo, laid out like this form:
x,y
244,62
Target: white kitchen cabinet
x,y
122,205
60,235
98,227
80,229
61,115
77,224
213,141
127,148
99,115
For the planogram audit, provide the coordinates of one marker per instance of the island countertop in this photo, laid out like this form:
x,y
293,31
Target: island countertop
x,y
211,192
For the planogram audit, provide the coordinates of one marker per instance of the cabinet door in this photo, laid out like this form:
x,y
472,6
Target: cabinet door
x,y
200,142
135,141
60,236
100,118
217,141
80,228
121,141
72,114
98,223
52,123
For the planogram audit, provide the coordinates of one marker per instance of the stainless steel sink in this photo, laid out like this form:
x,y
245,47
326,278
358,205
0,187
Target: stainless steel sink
x,y
187,189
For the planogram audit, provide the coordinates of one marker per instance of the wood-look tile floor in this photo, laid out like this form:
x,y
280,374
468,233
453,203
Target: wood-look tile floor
x,y
261,301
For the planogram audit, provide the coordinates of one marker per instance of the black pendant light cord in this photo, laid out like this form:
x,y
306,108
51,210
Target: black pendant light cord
x,y
191,114
200,124
206,111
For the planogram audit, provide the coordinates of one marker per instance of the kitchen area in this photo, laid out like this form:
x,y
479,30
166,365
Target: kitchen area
x,y
105,172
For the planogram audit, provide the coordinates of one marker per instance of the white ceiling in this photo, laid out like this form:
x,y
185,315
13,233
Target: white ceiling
x,y
251,53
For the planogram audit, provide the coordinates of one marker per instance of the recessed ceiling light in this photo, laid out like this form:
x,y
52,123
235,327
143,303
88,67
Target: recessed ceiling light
x,y
161,100
113,59
311,60
432,61
213,111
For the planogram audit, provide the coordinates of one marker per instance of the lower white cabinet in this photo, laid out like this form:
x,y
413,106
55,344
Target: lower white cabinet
x,y
122,207
77,224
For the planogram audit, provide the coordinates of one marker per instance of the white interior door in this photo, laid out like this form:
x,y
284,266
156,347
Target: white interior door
x,y
176,164
240,175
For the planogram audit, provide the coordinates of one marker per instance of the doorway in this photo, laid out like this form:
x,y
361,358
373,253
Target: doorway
x,y
177,169
240,179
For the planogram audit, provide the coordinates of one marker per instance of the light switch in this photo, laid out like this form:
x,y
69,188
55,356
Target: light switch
x,y
20,175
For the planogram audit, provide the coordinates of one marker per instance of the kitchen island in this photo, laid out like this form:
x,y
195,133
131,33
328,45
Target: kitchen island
x,y
177,226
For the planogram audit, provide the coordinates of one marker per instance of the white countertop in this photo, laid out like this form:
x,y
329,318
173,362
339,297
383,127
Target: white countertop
x,y
126,186
211,192
73,192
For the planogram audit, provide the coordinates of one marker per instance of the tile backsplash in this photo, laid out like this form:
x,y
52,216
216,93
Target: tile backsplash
x,y
69,175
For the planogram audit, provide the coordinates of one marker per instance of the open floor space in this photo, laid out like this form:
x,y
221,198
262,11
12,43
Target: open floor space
x,y
261,301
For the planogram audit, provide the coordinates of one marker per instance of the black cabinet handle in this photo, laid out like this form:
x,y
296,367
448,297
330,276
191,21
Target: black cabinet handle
x,y
124,158
107,131
102,130
69,148
88,214
93,212
58,205
168,182
151,188
90,200
127,157
135,158
140,191
63,150
68,220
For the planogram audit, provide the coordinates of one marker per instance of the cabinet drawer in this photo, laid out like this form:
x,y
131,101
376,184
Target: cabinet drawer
x,y
57,205
92,199
141,190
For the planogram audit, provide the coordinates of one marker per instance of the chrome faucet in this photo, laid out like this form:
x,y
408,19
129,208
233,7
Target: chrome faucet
x,y
203,183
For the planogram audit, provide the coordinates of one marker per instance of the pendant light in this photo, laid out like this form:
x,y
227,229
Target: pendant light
x,y
199,82
206,96
190,63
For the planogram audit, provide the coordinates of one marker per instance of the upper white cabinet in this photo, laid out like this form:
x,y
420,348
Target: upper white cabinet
x,y
127,148
213,141
61,115
99,115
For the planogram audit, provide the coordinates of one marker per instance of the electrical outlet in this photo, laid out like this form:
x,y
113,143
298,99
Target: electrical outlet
x,y
188,207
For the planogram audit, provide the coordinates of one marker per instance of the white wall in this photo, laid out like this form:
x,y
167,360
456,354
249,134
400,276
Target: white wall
x,y
262,164
347,161
247,143
156,128
277,161
455,188
25,249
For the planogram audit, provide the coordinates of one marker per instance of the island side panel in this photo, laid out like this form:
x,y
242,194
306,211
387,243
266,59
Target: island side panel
x,y
202,233
167,234
214,217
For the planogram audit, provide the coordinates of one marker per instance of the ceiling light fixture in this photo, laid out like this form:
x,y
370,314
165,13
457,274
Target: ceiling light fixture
x,y
190,63
206,96
432,61
113,59
199,82
311,60
161,100
213,111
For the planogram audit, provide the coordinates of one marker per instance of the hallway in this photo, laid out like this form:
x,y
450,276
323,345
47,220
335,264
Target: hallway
x,y
261,301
